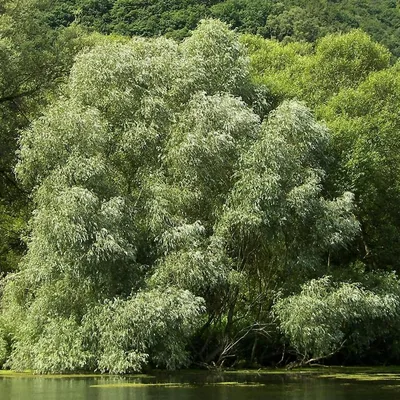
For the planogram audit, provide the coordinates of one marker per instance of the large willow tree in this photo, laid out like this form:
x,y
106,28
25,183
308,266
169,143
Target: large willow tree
x,y
169,201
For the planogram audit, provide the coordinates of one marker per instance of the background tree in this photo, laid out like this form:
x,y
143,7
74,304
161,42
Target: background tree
x,y
296,70
366,125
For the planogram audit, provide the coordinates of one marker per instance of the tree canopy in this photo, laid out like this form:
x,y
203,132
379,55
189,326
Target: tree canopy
x,y
198,196
160,196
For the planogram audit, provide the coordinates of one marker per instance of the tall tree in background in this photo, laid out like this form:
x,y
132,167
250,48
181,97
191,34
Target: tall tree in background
x,y
366,125
349,82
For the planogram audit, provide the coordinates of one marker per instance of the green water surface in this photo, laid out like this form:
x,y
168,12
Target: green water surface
x,y
203,386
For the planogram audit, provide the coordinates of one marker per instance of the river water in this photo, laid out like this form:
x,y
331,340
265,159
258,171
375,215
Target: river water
x,y
196,387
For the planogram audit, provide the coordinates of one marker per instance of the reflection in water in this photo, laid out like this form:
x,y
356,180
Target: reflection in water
x,y
204,387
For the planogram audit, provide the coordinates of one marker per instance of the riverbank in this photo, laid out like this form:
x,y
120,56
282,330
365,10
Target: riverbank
x,y
364,373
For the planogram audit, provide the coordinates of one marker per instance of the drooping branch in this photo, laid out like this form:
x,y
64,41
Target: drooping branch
x,y
310,362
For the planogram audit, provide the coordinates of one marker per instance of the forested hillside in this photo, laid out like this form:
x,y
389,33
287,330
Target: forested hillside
x,y
199,198
287,20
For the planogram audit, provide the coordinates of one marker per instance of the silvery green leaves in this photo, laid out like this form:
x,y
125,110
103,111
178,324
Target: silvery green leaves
x,y
217,59
325,315
129,81
3,346
205,147
66,132
277,203
158,191
151,326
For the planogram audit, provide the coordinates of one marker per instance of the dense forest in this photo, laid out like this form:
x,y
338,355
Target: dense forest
x,y
285,20
178,191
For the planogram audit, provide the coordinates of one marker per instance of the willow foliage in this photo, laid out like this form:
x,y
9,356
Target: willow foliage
x,y
159,189
326,315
